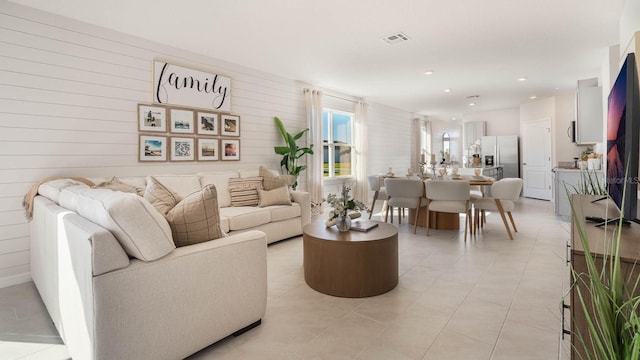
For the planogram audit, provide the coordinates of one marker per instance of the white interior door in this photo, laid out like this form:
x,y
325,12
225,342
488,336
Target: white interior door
x,y
536,155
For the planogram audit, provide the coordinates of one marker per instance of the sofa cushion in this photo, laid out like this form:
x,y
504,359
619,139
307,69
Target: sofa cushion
x,y
271,181
279,196
284,212
244,191
68,197
52,189
141,230
182,185
224,224
221,181
196,218
118,185
245,217
161,197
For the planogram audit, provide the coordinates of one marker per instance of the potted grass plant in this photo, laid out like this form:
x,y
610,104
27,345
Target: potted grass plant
x,y
606,296
291,152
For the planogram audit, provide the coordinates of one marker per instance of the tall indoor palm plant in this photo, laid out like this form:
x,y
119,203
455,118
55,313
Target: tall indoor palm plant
x,y
291,152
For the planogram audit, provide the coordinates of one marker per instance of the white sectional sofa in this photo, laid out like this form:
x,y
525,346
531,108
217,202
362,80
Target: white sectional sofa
x,y
116,286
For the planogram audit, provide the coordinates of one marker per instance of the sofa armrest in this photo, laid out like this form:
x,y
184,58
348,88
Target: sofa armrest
x,y
304,200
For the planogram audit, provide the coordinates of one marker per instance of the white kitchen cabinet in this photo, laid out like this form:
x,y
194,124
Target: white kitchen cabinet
x,y
589,116
569,180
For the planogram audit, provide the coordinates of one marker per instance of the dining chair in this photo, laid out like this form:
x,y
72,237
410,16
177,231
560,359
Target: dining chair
x,y
404,193
450,196
503,194
379,192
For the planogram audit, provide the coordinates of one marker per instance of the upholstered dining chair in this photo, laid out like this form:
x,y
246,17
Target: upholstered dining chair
x,y
450,196
379,193
404,193
503,194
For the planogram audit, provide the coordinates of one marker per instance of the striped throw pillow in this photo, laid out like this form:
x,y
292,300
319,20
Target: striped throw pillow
x,y
244,191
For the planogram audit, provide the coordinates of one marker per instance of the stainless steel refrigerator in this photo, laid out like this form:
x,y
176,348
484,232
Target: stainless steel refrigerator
x,y
505,152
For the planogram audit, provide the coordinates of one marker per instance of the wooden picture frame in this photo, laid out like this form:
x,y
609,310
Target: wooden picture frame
x,y
230,149
229,125
182,148
152,118
181,121
208,149
152,148
207,123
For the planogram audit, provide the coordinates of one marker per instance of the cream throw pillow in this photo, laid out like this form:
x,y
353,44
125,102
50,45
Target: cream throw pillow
x,y
244,191
160,196
196,218
279,196
271,181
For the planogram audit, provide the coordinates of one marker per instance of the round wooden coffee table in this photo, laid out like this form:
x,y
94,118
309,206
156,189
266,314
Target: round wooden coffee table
x,y
350,264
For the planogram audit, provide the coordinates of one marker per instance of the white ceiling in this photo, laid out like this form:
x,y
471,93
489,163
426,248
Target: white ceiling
x,y
475,47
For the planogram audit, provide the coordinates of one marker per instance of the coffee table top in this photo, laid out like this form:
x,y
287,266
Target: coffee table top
x,y
319,230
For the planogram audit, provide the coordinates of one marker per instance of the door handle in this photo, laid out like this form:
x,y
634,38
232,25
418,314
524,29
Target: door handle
x,y
524,163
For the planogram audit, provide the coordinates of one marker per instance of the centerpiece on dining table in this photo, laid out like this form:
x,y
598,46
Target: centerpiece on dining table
x,y
344,208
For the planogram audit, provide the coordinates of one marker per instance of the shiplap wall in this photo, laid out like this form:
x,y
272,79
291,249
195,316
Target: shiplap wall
x,y
68,96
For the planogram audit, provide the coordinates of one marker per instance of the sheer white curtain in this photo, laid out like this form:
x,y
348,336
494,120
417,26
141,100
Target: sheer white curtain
x,y
361,191
313,111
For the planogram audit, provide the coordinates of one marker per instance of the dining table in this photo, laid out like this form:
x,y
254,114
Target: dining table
x,y
447,221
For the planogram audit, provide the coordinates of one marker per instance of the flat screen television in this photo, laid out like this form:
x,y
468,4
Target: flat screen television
x,y
623,130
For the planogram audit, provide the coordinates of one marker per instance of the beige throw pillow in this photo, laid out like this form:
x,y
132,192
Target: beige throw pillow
x,y
244,191
160,196
117,185
279,196
271,181
196,218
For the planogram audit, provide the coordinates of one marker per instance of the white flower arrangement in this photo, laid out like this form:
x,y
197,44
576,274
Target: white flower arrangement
x,y
341,205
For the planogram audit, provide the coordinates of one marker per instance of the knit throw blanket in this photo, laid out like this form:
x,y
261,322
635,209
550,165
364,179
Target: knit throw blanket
x,y
27,202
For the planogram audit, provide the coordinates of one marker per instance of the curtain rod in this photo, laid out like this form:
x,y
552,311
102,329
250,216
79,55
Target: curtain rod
x,y
336,97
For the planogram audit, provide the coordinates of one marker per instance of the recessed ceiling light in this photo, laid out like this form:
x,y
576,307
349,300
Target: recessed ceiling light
x,y
523,78
453,118
428,72
533,97
472,104
447,90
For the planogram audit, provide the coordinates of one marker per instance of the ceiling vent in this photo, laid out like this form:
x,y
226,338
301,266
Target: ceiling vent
x,y
395,38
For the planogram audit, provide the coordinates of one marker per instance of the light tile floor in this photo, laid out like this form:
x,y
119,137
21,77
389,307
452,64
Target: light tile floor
x,y
488,298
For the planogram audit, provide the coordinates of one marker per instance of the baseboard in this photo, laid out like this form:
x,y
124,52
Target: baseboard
x,y
15,279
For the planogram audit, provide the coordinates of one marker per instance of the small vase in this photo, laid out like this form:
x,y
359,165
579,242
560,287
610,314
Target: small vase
x,y
476,161
343,223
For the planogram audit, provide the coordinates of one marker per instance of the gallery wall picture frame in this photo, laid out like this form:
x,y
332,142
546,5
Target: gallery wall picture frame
x,y
182,148
152,148
181,121
208,149
229,125
230,149
152,118
207,123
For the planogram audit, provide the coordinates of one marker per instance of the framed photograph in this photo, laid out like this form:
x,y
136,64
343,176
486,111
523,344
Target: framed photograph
x,y
230,149
181,121
152,148
230,125
207,123
152,118
208,149
182,149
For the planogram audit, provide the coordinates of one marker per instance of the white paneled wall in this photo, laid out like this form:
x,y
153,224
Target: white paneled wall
x,y
68,96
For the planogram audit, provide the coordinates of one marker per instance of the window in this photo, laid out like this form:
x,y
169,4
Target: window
x,y
337,140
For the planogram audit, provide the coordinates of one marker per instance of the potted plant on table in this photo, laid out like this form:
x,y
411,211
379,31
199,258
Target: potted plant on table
x,y
341,205
291,152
